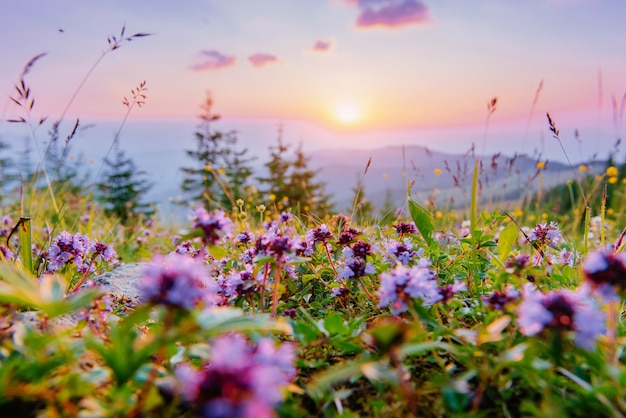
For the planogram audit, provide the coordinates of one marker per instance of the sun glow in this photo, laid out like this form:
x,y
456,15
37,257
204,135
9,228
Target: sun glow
x,y
347,113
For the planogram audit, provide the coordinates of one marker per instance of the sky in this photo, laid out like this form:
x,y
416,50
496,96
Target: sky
x,y
334,72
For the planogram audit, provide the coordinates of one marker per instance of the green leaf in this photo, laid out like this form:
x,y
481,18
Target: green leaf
x,y
507,239
423,220
334,324
25,239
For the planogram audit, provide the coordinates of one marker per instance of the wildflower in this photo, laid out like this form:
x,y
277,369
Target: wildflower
x,y
237,283
498,299
321,234
403,283
403,228
178,281
567,257
241,380
355,262
517,263
612,171
244,237
214,225
401,251
545,234
437,171
187,247
561,311
6,253
347,236
285,217
68,249
606,272
450,290
100,251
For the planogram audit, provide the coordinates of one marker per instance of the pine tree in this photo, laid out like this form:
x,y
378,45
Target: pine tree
x,y
277,180
123,189
291,183
220,172
305,193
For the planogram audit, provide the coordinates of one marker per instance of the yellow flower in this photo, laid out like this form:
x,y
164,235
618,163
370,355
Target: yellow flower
x,y
518,212
544,216
438,215
582,168
532,217
437,191
598,177
207,167
609,211
221,170
239,202
437,171
261,208
612,171
385,175
541,164
272,197
612,180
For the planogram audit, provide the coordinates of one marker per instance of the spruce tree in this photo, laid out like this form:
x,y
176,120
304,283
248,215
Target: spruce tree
x,y
123,189
292,183
220,172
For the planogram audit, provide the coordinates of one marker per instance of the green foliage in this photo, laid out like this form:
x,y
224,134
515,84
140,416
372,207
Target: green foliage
x,y
291,183
220,172
123,188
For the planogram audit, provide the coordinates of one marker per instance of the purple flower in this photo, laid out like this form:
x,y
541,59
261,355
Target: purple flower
x,y
401,251
237,283
315,236
179,281
517,263
348,236
244,237
6,253
214,225
353,266
447,291
187,247
403,283
498,299
241,380
68,249
605,268
285,217
545,234
561,311
100,251
403,228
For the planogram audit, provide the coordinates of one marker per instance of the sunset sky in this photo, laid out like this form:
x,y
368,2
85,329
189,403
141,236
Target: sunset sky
x,y
343,65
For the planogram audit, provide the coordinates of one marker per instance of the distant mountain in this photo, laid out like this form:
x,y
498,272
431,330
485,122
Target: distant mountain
x,y
392,168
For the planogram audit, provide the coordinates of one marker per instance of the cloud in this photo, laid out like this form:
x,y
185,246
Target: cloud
x,y
321,46
213,60
260,60
390,13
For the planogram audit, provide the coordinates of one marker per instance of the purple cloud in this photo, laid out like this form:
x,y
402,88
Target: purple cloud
x,y
390,13
259,60
213,60
321,46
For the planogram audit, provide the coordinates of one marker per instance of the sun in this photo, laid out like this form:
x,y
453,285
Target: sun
x,y
347,113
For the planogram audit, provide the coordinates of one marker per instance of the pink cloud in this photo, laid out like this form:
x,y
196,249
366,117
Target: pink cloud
x,y
321,46
260,60
390,13
213,60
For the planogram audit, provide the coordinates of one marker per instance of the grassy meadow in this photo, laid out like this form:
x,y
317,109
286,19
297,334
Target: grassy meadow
x,y
266,303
